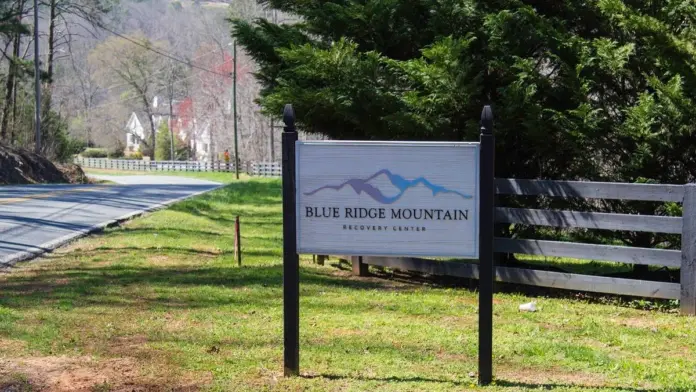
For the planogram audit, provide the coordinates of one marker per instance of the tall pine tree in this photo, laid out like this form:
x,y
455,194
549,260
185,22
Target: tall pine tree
x,y
578,87
596,90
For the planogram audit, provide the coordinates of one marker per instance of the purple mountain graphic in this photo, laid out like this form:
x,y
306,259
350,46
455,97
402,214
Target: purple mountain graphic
x,y
362,185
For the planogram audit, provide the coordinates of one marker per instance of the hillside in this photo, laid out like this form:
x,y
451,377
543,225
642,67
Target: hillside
x,y
25,167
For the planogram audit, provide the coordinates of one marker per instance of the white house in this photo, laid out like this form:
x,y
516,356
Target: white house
x,y
197,136
134,133
198,139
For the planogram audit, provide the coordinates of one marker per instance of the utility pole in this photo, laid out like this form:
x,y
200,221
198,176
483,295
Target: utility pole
x,y
234,107
37,79
272,143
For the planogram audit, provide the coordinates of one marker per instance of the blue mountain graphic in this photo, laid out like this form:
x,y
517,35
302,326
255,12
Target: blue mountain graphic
x,y
362,185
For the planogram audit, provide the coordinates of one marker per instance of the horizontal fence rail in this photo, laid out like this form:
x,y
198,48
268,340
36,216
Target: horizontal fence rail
x,y
590,190
261,169
589,220
621,254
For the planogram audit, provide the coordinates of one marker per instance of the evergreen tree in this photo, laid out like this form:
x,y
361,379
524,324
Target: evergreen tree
x,y
163,150
565,77
588,90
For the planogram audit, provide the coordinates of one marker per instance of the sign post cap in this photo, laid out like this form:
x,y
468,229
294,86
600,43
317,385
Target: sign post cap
x,y
487,120
289,115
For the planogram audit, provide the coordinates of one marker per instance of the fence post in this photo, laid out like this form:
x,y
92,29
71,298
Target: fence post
x,y
291,261
688,256
359,268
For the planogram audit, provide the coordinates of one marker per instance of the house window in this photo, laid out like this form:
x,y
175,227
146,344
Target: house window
x,y
129,139
205,147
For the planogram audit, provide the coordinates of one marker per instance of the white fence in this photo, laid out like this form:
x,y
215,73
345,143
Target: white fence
x,y
261,169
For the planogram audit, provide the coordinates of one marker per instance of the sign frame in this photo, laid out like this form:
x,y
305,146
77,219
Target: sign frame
x,y
486,265
343,143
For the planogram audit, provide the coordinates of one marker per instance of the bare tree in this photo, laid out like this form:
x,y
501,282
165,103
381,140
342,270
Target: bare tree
x,y
121,59
175,85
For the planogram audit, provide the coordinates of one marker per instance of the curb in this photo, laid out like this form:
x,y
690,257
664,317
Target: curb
x,y
48,247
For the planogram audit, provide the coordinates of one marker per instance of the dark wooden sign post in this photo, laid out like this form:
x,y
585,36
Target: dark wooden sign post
x,y
291,261
291,273
486,260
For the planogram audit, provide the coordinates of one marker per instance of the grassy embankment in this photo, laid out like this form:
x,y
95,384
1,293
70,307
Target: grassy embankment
x,y
221,177
161,303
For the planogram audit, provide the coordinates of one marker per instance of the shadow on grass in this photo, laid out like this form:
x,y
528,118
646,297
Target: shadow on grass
x,y
413,277
107,286
160,231
552,386
499,383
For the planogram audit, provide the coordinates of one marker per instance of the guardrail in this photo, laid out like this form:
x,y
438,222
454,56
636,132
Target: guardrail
x,y
684,259
261,169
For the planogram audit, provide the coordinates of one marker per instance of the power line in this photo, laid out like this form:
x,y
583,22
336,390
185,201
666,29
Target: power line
x,y
153,74
150,48
138,97
162,53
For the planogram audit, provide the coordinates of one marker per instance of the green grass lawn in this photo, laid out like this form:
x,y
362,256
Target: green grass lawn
x,y
221,177
160,304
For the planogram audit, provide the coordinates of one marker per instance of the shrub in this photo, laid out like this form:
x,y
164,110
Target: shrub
x,y
136,156
145,151
95,153
68,148
116,152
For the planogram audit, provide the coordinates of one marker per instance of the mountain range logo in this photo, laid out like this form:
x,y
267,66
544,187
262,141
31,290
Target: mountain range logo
x,y
402,184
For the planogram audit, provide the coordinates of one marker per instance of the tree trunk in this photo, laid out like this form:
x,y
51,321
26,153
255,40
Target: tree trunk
x,y
46,102
171,131
15,52
9,92
51,43
151,119
153,136
11,85
211,142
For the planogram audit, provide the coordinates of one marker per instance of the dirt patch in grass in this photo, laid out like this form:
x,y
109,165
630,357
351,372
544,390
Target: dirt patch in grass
x,y
162,260
550,377
129,345
385,284
12,346
347,332
87,374
29,287
646,322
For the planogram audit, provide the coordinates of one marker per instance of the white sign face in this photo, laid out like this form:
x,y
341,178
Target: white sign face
x,y
387,198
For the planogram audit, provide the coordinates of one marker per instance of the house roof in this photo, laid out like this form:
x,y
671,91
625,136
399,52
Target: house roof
x,y
133,122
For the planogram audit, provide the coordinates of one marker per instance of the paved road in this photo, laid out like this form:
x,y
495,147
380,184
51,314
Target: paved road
x,y
38,218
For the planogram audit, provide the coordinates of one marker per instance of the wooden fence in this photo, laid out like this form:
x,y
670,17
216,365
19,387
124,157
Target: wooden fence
x,y
263,169
685,259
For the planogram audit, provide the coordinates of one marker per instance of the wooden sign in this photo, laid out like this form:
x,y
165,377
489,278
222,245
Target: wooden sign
x,y
387,198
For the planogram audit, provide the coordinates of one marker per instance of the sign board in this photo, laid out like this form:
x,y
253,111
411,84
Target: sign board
x,y
387,198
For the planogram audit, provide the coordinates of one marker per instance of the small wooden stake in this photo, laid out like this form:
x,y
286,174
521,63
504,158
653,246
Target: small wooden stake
x,y
237,242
